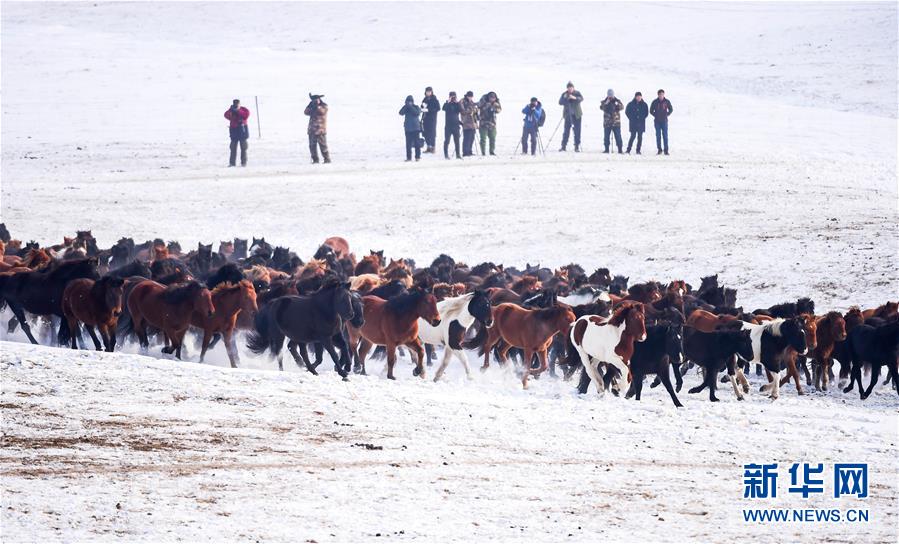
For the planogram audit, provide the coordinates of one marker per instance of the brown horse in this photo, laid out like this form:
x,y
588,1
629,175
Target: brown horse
x,y
339,245
168,309
393,323
530,330
884,311
704,321
95,304
526,284
364,283
810,326
229,300
370,264
831,328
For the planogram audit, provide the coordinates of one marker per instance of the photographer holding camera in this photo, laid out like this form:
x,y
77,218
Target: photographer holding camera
x,y
571,113
469,123
239,131
412,126
488,107
317,111
611,120
452,123
430,106
533,113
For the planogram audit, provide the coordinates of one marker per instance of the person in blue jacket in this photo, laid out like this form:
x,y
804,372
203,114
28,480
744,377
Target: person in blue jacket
x,y
412,126
532,114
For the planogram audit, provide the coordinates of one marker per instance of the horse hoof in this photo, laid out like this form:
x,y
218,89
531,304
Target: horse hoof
x,y
391,377
416,371
714,399
345,378
678,405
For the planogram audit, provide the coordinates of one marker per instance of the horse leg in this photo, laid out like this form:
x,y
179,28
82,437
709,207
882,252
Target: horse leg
x,y
429,353
207,337
178,342
803,361
90,331
328,345
875,374
711,377
591,370
364,347
528,356
666,381
701,386
230,347
492,338
893,372
731,375
464,360
415,345
636,385
73,326
447,355
795,372
19,312
855,374
391,360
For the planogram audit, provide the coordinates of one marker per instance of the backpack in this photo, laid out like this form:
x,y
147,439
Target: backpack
x,y
542,118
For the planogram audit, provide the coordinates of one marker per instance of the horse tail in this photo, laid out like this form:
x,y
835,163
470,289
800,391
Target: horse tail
x,y
64,338
572,357
265,336
480,338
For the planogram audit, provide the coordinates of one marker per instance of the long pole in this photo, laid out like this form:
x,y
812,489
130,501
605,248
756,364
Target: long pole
x,y
554,132
258,120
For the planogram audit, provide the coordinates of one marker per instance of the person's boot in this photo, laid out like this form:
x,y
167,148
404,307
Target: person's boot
x,y
638,152
660,152
606,150
577,149
628,150
620,152
562,149
666,151
314,160
327,159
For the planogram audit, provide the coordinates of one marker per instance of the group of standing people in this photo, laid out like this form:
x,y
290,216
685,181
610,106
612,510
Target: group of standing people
x,y
466,117
469,117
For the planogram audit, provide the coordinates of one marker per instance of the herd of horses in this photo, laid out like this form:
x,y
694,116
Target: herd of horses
x,y
356,309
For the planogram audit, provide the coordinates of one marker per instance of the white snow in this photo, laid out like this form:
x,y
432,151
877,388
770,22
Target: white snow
x,y
782,179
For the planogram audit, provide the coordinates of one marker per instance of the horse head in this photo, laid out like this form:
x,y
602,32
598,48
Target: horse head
x,y
793,331
427,307
248,303
810,326
479,307
635,321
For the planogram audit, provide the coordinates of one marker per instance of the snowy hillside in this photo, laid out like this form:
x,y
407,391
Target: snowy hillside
x,y
782,179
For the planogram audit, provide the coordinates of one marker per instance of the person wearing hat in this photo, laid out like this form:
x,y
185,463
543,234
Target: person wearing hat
x,y
488,108
661,109
451,124
412,126
469,123
317,111
636,111
533,113
571,113
611,120
431,108
239,131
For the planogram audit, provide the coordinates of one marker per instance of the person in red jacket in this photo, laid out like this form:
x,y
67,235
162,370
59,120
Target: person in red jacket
x,y
239,130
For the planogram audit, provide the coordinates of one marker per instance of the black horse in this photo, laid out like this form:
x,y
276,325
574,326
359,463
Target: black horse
x,y
134,268
40,292
227,273
318,317
874,345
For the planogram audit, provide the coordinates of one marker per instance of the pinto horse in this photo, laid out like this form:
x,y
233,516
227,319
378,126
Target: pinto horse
x,y
457,315
596,339
394,322
96,304
229,301
168,309
317,317
40,292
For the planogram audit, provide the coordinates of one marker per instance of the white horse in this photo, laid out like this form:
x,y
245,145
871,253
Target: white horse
x,y
609,340
787,334
457,314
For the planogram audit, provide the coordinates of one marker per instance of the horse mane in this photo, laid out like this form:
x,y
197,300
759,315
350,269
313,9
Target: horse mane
x,y
774,325
404,302
456,304
226,286
181,292
548,314
620,313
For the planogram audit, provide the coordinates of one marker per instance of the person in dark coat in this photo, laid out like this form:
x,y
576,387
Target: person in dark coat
x,y
239,131
532,113
611,120
452,124
431,107
636,111
412,126
661,109
571,113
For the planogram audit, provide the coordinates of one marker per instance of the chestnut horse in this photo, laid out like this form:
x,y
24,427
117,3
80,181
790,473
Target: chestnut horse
x,y
885,311
339,245
96,304
229,301
831,329
530,330
810,326
704,321
167,308
394,322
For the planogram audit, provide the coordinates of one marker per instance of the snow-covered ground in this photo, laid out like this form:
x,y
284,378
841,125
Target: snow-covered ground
x,y
782,179
97,446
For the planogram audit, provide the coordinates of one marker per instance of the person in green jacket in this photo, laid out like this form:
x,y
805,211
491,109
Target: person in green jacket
x,y
489,107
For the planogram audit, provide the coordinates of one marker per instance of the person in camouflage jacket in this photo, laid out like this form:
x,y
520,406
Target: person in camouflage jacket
x,y
611,120
488,108
470,114
317,111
